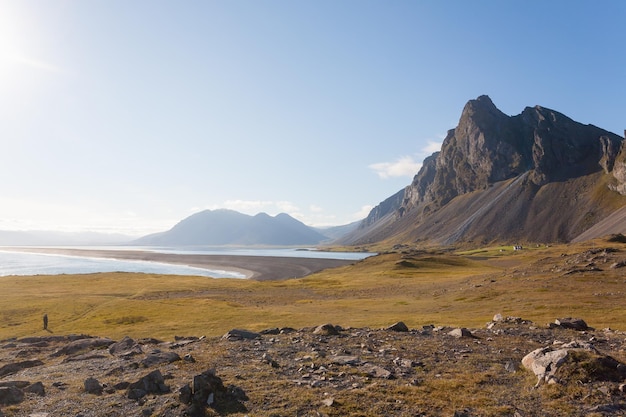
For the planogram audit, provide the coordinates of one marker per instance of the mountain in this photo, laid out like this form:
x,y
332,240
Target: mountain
x,y
535,177
336,232
228,227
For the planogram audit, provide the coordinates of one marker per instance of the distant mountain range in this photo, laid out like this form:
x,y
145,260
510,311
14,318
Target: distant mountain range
x,y
228,227
535,177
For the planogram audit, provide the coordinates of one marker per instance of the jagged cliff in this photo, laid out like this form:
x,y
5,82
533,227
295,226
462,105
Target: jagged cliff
x,y
537,176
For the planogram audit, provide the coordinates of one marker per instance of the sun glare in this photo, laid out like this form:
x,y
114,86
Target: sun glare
x,y
9,43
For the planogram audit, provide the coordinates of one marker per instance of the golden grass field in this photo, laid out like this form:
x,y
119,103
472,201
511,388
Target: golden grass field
x,y
418,287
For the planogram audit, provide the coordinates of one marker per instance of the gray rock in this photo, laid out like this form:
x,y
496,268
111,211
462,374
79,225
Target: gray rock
x,y
157,357
36,388
268,359
125,347
239,334
12,368
84,357
345,360
510,366
375,371
398,327
572,323
11,395
18,384
544,362
326,330
460,332
93,386
83,344
153,383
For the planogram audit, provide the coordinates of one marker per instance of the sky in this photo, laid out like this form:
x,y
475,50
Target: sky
x,y
126,116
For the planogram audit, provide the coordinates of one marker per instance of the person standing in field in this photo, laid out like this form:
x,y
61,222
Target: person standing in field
x,y
45,322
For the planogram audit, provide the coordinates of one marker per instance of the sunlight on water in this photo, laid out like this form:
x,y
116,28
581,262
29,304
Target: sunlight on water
x,y
19,263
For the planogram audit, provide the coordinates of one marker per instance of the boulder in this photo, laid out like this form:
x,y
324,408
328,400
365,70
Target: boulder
x,y
157,357
544,362
577,360
17,384
571,323
238,334
207,390
36,388
83,344
153,383
11,395
326,330
460,332
93,386
12,368
398,327
125,347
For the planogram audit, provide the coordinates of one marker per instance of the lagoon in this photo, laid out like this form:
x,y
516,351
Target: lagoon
x,y
18,261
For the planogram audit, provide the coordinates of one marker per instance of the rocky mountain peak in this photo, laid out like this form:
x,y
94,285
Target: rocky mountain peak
x,y
539,147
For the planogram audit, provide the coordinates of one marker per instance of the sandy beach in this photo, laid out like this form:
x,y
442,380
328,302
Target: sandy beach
x,y
260,268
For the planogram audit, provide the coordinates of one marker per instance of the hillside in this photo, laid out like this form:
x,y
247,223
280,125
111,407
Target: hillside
x,y
406,333
228,227
535,177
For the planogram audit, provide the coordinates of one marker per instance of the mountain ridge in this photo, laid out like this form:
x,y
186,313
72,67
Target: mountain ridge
x,y
531,158
229,227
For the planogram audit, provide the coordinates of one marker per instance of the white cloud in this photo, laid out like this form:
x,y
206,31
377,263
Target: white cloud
x,y
315,209
432,147
361,214
405,166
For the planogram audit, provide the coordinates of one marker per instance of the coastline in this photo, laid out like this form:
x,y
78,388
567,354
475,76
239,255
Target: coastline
x,y
258,268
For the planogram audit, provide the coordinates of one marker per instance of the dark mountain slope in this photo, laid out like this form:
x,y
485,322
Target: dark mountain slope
x,y
227,227
538,176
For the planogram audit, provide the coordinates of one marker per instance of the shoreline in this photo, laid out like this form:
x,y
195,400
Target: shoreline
x,y
258,268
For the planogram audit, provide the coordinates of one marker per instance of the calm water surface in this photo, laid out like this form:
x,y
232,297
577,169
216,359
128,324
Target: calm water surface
x,y
21,263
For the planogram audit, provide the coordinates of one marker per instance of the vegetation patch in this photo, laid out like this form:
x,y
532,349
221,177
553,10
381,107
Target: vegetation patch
x,y
126,320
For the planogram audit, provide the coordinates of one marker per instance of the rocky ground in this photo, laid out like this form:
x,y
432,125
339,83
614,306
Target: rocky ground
x,y
569,369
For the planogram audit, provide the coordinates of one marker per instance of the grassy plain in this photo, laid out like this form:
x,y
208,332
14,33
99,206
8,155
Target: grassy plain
x,y
417,287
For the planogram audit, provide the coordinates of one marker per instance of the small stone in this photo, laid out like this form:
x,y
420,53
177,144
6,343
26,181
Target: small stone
x,y
92,386
510,366
328,402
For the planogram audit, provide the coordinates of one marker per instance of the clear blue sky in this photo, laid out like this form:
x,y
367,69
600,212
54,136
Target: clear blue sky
x,y
129,116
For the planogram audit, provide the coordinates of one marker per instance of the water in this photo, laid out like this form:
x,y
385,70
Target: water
x,y
22,263
249,251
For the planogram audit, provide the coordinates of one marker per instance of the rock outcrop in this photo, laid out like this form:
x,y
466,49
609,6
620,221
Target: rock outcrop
x,y
500,177
357,371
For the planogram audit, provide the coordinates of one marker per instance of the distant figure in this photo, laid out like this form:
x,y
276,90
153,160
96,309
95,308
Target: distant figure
x,y
45,322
